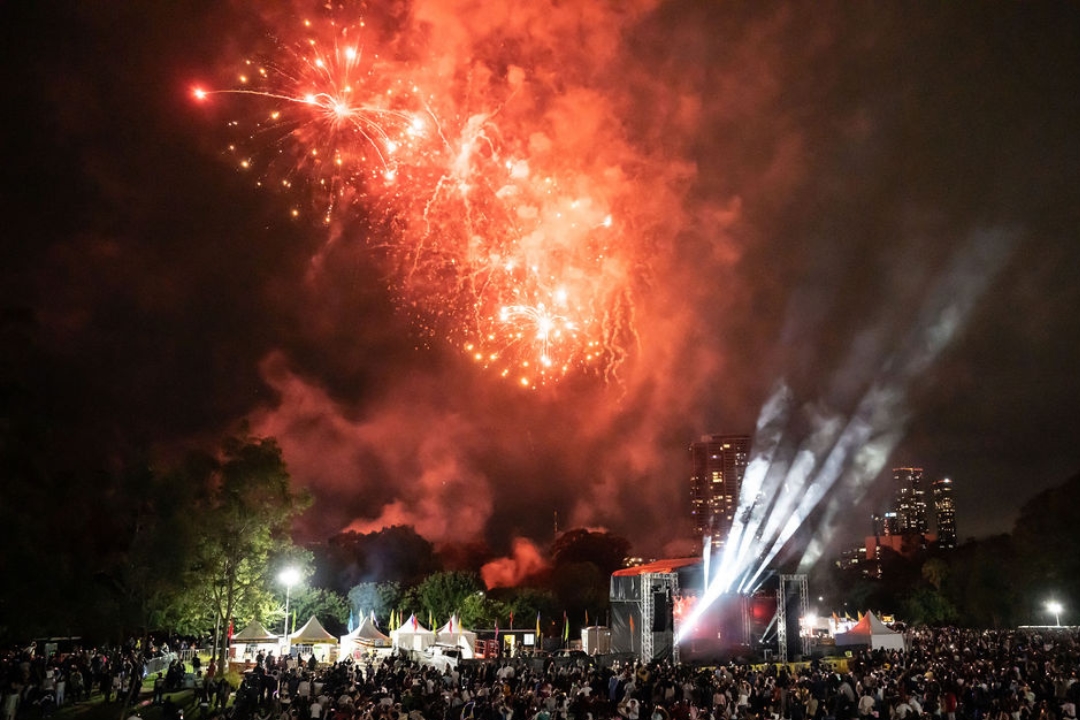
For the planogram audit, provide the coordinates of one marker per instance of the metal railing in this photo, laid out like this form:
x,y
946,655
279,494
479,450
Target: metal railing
x,y
160,663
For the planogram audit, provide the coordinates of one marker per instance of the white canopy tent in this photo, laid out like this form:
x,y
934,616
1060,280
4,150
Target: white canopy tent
x,y
251,640
316,636
871,633
365,637
452,633
411,635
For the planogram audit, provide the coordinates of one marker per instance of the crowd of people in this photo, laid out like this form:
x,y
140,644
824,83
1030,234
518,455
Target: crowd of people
x,y
31,682
943,674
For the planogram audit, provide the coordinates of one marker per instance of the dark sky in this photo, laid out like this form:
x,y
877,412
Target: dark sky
x,y
836,197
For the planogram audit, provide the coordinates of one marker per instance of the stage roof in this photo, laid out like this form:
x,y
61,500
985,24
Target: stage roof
x,y
657,566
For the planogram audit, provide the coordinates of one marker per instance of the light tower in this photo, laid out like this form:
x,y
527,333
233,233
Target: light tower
x,y
1055,607
288,577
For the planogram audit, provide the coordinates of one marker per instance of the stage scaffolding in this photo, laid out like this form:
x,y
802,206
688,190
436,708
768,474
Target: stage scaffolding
x,y
652,583
800,586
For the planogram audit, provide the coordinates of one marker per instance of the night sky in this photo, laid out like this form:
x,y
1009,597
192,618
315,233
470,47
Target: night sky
x,y
836,197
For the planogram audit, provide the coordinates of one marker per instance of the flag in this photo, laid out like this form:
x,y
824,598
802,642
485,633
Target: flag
x,y
431,619
631,625
451,623
586,618
511,619
538,633
496,628
860,615
415,622
352,620
566,627
230,629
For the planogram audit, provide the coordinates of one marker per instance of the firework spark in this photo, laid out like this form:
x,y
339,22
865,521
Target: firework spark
x,y
503,242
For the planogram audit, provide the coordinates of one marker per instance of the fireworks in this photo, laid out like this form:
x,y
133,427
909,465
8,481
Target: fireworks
x,y
504,242
331,113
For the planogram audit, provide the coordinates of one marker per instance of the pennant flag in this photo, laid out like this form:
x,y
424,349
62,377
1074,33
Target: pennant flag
x,y
496,628
230,629
566,626
586,618
431,619
451,623
538,633
631,625
415,622
511,619
352,620
374,620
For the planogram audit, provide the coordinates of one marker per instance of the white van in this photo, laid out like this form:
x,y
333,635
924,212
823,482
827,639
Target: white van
x,y
442,657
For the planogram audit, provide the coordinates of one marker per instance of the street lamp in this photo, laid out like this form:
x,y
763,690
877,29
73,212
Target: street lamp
x,y
1055,607
288,577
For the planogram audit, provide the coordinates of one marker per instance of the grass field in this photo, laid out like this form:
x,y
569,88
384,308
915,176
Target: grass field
x,y
97,709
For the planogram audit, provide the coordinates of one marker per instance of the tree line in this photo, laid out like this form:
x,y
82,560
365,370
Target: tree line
x,y
195,545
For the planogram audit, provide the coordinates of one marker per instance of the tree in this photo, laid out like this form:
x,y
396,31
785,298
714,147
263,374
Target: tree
x,y
481,610
331,608
378,598
244,515
397,553
935,571
443,594
927,606
1047,557
526,603
603,549
149,579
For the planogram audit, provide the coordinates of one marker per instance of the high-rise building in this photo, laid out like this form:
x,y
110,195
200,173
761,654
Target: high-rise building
x,y
885,524
719,463
944,512
910,501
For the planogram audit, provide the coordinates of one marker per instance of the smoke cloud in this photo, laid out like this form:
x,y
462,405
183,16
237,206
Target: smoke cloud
x,y
808,197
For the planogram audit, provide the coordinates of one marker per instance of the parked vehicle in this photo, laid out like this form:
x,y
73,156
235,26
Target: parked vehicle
x,y
442,657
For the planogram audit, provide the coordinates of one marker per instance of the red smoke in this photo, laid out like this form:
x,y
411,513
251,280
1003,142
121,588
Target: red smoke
x,y
525,561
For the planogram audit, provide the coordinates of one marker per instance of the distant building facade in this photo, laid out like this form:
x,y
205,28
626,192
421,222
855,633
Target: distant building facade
x,y
944,512
718,466
910,501
885,524
904,529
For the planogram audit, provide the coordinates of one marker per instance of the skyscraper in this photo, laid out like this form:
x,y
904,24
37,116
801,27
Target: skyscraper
x,y
945,512
719,463
910,501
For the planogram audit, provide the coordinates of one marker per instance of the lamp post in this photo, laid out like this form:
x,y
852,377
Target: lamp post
x,y
1055,607
288,577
